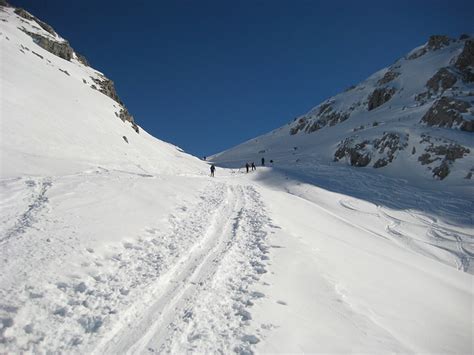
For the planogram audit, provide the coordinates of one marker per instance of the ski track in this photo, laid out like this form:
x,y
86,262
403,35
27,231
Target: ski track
x,y
38,202
185,289
202,304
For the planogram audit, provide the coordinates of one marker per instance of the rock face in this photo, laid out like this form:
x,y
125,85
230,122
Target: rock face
x,y
125,116
325,115
446,112
443,151
383,150
443,79
26,15
388,77
106,86
466,58
60,49
435,42
379,97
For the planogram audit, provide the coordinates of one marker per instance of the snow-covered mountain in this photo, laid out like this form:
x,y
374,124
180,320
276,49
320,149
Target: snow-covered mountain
x,y
112,241
61,115
413,119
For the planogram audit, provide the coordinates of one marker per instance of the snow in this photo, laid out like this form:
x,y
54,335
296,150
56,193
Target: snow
x,y
109,247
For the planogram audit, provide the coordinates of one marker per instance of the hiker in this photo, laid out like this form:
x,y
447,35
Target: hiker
x,y
253,166
247,166
213,168
263,161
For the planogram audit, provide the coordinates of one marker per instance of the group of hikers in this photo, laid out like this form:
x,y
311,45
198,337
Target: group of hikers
x,y
248,166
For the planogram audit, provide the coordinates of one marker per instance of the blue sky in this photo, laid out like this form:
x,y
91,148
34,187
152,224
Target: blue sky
x,y
207,75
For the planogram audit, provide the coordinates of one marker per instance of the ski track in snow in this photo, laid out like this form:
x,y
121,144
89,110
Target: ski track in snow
x,y
201,304
38,201
184,289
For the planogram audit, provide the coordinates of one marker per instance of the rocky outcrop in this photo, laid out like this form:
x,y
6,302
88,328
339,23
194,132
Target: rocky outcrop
x,y
435,42
325,116
443,151
125,116
446,112
300,125
466,58
379,97
354,151
388,77
82,59
388,146
383,150
4,3
106,86
26,15
60,49
443,79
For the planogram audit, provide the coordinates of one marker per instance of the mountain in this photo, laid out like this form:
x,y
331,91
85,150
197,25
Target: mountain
x,y
59,115
112,241
413,119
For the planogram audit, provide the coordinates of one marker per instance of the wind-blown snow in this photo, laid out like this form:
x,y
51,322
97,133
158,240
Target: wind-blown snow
x,y
115,247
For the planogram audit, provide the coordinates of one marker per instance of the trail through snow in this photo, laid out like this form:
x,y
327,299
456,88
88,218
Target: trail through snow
x,y
115,261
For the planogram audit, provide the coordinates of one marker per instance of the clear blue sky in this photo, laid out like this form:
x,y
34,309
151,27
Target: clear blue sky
x,y
207,75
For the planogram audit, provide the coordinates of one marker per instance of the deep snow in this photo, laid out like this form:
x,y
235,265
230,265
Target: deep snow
x,y
115,247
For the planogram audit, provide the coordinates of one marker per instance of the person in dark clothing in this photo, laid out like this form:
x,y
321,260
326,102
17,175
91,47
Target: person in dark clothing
x,y
263,161
247,166
253,166
213,168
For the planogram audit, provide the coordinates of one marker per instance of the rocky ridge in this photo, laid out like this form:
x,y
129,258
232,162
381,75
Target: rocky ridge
x,y
385,119
46,37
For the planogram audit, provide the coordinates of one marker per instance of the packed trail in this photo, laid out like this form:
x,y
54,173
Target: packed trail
x,y
222,265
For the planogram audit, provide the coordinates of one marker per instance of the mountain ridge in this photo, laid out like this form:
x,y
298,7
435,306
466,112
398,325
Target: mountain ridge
x,y
420,107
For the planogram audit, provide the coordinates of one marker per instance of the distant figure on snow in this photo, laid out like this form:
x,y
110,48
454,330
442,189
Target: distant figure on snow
x,y
263,161
247,166
213,168
253,166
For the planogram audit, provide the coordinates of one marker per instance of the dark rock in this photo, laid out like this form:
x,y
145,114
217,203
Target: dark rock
x,y
354,151
388,77
468,176
82,59
125,116
4,3
60,49
26,15
64,71
443,79
441,171
125,138
426,159
466,58
299,126
379,97
446,112
413,151
463,36
436,42
106,86
445,151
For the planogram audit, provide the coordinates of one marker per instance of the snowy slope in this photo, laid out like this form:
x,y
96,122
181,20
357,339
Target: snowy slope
x,y
413,119
53,120
114,247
